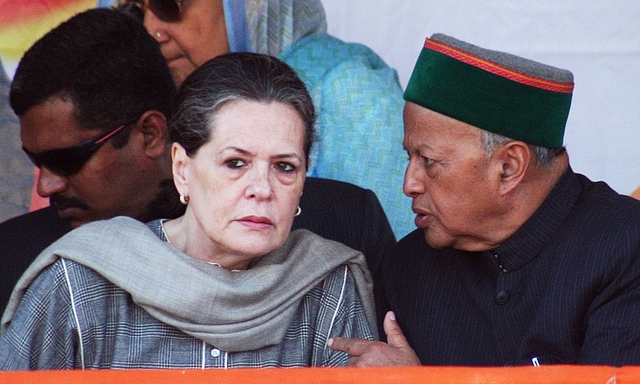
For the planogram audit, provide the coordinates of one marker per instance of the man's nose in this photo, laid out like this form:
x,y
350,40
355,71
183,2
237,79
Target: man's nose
x,y
49,183
413,181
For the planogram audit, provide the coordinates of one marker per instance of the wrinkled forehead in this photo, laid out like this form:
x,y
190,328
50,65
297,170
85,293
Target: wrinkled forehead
x,y
262,122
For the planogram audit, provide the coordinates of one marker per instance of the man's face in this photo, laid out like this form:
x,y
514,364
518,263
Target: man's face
x,y
110,182
450,178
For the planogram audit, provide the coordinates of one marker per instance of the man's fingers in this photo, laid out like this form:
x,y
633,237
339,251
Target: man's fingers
x,y
354,347
369,353
395,337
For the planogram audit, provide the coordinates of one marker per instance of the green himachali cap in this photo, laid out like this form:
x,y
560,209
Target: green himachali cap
x,y
495,91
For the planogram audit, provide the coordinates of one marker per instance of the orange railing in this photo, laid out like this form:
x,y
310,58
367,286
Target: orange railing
x,y
440,375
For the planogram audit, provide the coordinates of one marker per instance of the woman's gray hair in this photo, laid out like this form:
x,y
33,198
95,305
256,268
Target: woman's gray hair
x,y
234,77
544,156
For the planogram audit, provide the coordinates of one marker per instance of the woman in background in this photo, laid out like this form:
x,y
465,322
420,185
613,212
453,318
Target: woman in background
x,y
357,95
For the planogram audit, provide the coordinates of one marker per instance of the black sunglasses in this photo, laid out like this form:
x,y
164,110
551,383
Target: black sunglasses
x,y
165,10
67,161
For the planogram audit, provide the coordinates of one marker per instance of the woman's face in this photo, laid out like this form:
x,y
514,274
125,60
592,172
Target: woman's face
x,y
243,185
198,35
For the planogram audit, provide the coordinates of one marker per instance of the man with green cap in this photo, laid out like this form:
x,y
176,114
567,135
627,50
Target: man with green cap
x,y
517,259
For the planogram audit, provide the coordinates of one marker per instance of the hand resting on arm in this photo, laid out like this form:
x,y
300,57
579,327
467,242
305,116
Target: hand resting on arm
x,y
367,353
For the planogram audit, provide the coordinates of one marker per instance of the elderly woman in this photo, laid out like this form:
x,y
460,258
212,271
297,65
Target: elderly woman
x,y
226,284
357,95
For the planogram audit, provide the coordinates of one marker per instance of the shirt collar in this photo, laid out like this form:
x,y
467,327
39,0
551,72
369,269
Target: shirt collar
x,y
537,232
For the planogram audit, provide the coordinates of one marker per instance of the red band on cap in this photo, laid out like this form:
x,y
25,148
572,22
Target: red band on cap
x,y
468,58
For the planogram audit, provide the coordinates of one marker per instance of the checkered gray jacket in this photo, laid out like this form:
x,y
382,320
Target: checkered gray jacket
x,y
72,317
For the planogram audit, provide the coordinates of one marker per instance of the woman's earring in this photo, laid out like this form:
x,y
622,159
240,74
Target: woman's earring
x,y
298,211
184,199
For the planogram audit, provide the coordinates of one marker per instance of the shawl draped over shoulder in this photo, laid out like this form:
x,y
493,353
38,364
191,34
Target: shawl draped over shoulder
x,y
236,311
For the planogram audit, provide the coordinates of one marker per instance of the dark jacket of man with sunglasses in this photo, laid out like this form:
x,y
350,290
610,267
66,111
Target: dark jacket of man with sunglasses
x,y
92,96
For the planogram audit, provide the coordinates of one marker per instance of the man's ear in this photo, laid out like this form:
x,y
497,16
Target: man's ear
x,y
153,126
514,158
180,167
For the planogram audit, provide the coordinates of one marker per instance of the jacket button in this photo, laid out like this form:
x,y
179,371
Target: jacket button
x,y
215,352
502,297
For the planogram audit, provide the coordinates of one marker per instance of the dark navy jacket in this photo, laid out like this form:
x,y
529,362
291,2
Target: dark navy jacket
x,y
565,288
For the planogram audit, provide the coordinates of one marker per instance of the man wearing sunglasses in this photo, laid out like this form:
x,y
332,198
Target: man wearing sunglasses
x,y
91,98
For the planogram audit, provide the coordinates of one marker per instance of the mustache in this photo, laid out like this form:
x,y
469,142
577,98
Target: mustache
x,y
61,202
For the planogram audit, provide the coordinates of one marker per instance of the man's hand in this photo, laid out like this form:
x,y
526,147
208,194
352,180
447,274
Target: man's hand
x,y
367,353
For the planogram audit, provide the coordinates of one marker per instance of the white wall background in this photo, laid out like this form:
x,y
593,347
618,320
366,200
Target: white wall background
x,y
598,40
